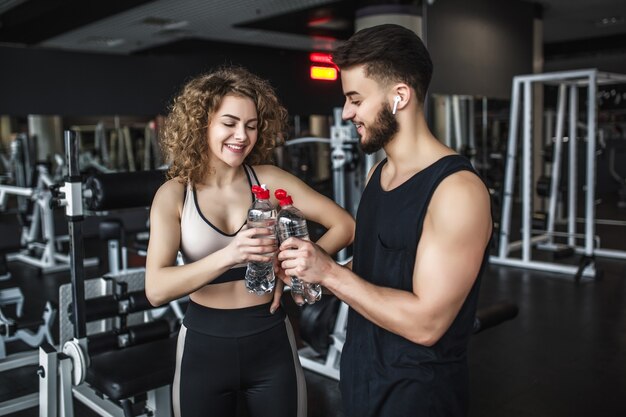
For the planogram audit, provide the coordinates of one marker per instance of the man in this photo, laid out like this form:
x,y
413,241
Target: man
x,y
423,228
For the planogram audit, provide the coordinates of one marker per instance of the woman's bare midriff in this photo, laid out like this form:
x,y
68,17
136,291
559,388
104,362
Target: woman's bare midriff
x,y
228,295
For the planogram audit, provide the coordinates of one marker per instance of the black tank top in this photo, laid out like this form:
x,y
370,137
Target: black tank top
x,y
376,364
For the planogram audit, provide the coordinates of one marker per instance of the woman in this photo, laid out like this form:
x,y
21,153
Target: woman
x,y
220,128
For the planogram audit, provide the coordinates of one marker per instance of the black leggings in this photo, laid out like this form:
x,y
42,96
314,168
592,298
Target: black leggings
x,y
246,350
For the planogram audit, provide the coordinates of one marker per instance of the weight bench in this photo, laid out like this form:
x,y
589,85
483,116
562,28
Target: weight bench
x,y
139,381
137,369
130,362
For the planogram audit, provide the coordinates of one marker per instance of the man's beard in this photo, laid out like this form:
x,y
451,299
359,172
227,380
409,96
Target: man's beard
x,y
383,129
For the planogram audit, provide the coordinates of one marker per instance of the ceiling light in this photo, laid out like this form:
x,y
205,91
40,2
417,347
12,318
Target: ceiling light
x,y
102,41
322,57
610,21
323,73
165,23
329,23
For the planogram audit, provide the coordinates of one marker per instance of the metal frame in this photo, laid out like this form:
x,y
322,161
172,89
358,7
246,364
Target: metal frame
x,y
589,78
23,402
459,123
41,226
13,296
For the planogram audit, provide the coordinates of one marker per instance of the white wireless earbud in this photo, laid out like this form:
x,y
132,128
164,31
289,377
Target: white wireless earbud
x,y
396,100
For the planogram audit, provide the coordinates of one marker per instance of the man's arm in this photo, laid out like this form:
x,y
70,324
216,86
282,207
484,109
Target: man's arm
x,y
457,228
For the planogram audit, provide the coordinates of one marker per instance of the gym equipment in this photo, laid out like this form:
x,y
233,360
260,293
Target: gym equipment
x,y
39,238
119,147
5,165
22,156
104,191
112,231
126,363
4,268
6,245
457,126
152,157
15,329
621,180
494,315
34,188
32,333
572,80
131,379
323,328
316,324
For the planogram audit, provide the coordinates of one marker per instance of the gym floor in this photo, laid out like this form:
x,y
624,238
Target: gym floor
x,y
564,355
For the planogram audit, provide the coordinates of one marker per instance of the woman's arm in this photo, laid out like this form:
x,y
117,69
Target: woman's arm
x,y
166,281
315,207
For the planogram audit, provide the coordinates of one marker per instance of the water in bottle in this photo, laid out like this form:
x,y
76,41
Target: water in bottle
x,y
260,277
291,223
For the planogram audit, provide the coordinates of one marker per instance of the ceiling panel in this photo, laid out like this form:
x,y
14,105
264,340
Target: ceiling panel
x,y
566,20
137,26
30,22
128,32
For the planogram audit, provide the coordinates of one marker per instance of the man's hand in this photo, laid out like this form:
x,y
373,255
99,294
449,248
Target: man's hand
x,y
303,259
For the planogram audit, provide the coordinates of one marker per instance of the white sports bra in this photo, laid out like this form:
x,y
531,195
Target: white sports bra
x,y
199,237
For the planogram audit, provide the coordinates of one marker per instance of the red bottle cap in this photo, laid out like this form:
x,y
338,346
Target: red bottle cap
x,y
284,199
260,192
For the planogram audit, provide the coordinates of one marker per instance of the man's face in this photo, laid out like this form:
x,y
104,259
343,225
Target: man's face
x,y
383,129
367,108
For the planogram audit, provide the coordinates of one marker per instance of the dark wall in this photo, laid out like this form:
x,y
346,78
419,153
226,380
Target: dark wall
x,y
607,62
477,47
476,50
38,81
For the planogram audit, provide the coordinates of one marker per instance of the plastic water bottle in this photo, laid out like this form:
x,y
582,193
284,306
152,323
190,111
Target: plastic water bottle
x,y
260,278
291,223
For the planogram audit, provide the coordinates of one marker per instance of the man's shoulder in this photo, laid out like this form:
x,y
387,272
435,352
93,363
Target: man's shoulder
x,y
461,197
460,186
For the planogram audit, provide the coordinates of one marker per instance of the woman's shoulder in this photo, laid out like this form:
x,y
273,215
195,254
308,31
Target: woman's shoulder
x,y
175,184
271,171
170,191
276,177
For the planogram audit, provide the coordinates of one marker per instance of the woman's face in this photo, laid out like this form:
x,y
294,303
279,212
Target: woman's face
x,y
233,130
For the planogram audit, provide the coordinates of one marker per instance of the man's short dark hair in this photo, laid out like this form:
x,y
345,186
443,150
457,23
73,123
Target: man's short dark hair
x,y
389,53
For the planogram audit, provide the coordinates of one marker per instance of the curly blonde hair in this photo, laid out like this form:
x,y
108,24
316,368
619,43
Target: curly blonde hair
x,y
183,137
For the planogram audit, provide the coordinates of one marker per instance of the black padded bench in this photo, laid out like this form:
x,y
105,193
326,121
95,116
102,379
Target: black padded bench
x,y
134,370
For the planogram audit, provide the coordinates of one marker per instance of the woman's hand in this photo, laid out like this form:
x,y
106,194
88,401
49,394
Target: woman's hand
x,y
252,245
278,292
284,279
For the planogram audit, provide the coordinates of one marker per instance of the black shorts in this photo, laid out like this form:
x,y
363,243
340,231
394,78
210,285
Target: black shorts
x,y
221,353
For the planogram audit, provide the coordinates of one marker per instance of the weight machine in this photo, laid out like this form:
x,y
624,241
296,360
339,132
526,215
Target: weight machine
x,y
39,238
565,80
112,356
